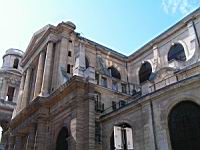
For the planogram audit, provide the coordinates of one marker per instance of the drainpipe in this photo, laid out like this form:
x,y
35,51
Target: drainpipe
x,y
153,125
127,78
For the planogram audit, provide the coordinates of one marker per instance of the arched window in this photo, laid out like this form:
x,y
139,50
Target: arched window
x,y
121,137
16,63
145,72
184,126
114,72
62,139
176,52
86,63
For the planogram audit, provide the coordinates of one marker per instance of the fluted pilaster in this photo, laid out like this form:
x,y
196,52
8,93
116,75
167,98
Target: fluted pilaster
x,y
26,88
39,75
47,70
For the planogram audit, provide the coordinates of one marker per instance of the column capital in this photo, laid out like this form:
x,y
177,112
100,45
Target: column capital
x,y
52,38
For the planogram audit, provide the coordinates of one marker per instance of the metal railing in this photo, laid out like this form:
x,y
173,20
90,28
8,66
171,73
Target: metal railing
x,y
156,86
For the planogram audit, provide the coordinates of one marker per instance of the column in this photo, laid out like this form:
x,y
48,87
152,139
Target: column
x,y
4,89
39,75
47,70
62,59
26,88
11,142
79,67
40,136
31,139
19,100
18,142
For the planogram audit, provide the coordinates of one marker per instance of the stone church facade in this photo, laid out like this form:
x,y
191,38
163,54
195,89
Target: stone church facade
x,y
76,94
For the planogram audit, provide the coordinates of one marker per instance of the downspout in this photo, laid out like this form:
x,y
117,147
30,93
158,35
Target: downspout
x,y
153,125
127,78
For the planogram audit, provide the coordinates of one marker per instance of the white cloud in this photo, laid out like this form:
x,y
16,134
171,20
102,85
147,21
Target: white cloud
x,y
182,6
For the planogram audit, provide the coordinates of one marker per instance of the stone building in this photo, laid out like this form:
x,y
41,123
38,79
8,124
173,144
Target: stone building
x,y
10,77
76,94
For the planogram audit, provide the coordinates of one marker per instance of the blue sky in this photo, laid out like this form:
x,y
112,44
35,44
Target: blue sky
x,y
123,25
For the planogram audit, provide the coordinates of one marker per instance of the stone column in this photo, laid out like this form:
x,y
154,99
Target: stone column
x,y
40,136
39,75
26,88
19,100
31,139
4,89
18,142
11,142
62,59
79,67
47,70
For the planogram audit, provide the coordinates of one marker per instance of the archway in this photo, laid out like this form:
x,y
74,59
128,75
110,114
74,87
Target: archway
x,y
145,72
62,139
176,52
184,126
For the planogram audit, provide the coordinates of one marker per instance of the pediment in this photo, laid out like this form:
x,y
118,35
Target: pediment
x,y
37,36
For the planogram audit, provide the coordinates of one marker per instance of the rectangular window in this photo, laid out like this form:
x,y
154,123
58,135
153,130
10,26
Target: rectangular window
x,y
104,82
122,103
114,106
123,88
97,132
114,85
10,93
97,78
69,53
68,68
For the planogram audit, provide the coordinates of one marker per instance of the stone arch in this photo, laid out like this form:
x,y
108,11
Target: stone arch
x,y
183,124
62,142
145,71
176,52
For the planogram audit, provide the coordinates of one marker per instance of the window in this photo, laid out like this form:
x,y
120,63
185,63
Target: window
x,y
86,63
114,72
145,72
16,63
121,137
97,77
123,88
122,103
97,132
114,85
68,68
114,105
176,52
10,93
69,53
104,82
99,106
